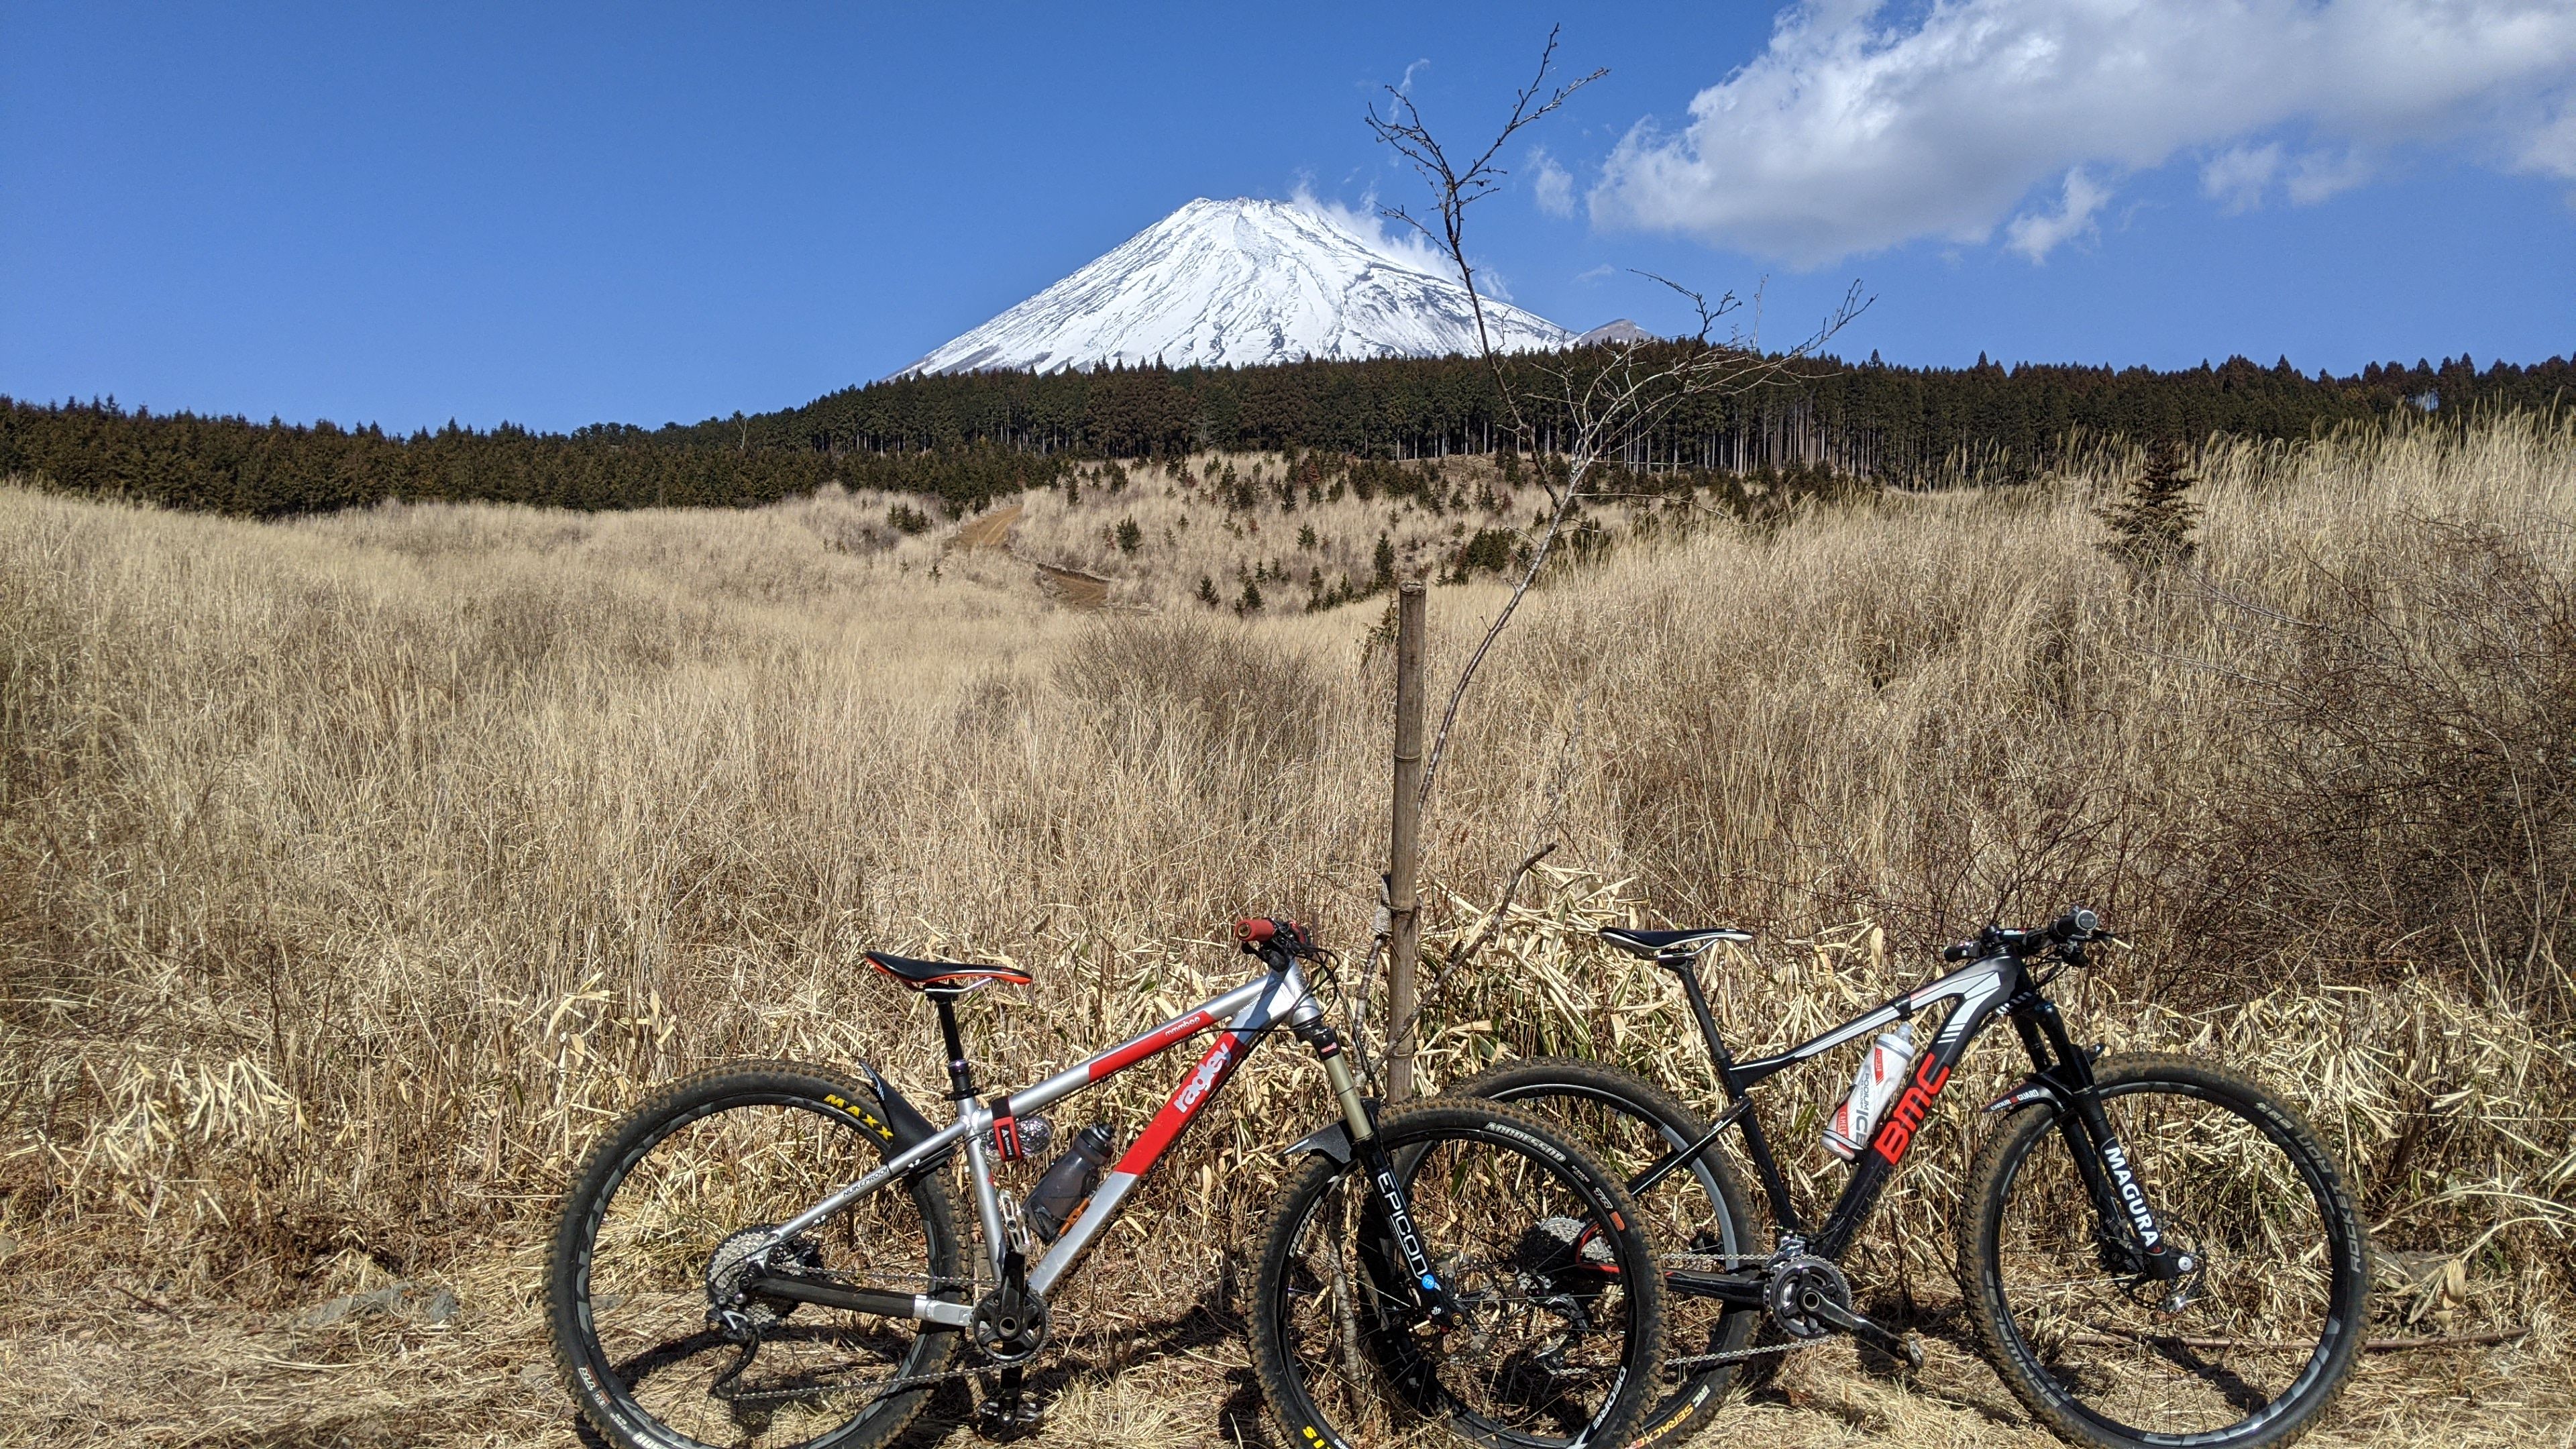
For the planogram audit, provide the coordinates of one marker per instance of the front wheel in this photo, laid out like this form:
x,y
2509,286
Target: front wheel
x,y
1557,1308
2244,1351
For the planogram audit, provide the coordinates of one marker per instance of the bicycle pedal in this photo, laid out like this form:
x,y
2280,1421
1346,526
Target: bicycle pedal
x,y
1910,1348
1009,1418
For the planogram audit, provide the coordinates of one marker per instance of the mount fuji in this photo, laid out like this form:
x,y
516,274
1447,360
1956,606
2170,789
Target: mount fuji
x,y
1234,284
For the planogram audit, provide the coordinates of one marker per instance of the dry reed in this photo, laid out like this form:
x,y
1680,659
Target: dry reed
x,y
357,869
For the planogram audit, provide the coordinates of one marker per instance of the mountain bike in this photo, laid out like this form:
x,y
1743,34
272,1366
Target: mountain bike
x,y
2158,1251
767,1253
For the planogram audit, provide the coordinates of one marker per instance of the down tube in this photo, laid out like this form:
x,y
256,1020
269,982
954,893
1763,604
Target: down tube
x,y
1905,1118
1195,1091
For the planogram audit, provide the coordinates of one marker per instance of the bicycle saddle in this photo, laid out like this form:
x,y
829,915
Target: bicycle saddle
x,y
1655,945
956,975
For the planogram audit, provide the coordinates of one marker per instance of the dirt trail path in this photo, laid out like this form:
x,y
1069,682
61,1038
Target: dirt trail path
x,y
1071,587
989,530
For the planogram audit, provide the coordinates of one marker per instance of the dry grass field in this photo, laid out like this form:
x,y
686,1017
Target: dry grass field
x,y
355,871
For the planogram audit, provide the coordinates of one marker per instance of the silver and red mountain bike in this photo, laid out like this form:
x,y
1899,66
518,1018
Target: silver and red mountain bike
x,y
766,1254
2157,1251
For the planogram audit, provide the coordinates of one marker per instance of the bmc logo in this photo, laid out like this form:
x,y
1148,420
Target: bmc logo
x,y
1908,1113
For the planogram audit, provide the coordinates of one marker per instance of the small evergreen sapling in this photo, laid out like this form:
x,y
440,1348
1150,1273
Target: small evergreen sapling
x,y
2151,522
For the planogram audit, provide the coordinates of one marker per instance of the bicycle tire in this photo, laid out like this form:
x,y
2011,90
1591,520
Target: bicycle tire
x,y
2240,1180
741,1139
1698,1211
1498,1197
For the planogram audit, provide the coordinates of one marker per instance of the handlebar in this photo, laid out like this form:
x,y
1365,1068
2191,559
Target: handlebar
x,y
1257,933
2070,931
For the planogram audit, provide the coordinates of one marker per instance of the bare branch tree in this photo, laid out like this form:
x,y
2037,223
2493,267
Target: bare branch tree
x,y
1609,397
1454,190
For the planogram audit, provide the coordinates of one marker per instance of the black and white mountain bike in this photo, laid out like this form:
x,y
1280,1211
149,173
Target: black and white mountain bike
x,y
766,1254
2157,1252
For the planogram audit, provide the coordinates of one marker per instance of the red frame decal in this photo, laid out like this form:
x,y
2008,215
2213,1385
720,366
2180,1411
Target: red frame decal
x,y
1195,1091
1907,1115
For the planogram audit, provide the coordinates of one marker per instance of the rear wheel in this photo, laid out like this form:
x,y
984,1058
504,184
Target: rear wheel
x,y
2244,1351
655,1342
1695,1214
1558,1323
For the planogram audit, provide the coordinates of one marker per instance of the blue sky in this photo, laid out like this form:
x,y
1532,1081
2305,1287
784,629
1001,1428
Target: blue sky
x,y
556,215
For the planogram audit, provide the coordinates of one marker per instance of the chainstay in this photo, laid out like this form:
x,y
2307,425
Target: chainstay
x,y
878,1388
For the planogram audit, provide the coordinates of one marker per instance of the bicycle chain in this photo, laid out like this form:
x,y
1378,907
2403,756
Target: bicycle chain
x,y
1730,1356
1721,1263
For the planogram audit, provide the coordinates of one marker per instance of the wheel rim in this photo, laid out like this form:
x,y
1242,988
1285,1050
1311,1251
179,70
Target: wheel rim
x,y
1541,1356
2218,1355
1685,1215
714,1174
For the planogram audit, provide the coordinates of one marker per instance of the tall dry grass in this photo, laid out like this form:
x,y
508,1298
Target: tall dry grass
x,y
356,870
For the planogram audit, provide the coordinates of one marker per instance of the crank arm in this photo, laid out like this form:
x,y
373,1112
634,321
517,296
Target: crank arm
x,y
1900,1346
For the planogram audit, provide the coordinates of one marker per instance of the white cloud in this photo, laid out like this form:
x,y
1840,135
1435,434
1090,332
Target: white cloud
x,y
2319,175
2239,175
1865,124
1552,185
2036,234
1393,240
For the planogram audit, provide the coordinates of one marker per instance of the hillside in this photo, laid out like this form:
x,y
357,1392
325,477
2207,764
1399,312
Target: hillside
x,y
968,439
359,864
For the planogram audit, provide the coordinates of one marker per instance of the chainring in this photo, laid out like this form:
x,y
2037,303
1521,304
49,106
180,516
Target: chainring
x,y
1798,1285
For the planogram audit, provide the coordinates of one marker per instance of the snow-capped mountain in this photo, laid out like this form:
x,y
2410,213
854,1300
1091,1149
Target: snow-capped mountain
x,y
1235,283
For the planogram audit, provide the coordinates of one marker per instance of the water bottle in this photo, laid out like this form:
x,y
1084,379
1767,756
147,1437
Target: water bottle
x,y
1034,1134
1068,1182
1881,1076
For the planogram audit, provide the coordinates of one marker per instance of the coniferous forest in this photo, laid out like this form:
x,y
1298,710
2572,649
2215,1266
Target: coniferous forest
x,y
968,439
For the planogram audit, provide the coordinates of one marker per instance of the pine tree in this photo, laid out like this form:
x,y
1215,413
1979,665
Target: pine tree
x,y
2152,521
1250,603
1385,562
1130,537
1207,591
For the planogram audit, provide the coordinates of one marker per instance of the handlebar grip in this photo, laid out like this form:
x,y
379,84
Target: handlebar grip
x,y
2075,925
1957,951
1254,930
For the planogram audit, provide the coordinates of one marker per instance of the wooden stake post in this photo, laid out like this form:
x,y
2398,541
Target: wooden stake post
x,y
1404,938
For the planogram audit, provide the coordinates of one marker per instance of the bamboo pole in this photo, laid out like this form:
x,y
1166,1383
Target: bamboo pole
x,y
1404,938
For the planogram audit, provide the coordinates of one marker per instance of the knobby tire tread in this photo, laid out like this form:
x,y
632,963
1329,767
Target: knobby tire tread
x,y
2027,1130
618,1151
1280,1388
1702,1392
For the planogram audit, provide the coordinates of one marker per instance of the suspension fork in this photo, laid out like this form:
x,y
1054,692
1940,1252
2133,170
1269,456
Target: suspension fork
x,y
2119,1198
1405,1275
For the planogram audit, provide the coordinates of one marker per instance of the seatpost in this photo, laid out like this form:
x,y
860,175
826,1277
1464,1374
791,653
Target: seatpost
x,y
961,1077
1687,968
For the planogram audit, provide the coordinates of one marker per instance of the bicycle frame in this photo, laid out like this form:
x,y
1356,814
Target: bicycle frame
x,y
1248,1012
2000,981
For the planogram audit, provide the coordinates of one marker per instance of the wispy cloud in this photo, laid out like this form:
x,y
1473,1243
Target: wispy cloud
x,y
1393,240
2037,233
1868,123
1550,184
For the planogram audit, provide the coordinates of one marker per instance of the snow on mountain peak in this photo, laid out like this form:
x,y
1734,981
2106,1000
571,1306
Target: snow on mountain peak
x,y
1234,284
